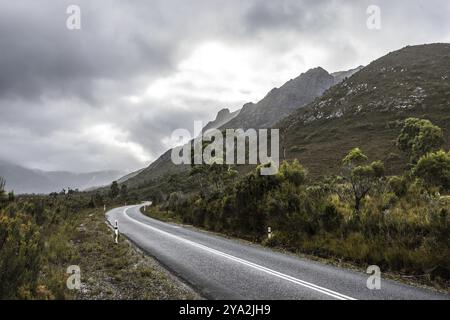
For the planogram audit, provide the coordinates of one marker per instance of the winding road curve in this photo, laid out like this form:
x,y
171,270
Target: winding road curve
x,y
221,268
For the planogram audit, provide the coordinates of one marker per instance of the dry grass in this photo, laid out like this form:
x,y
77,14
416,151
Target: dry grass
x,y
108,270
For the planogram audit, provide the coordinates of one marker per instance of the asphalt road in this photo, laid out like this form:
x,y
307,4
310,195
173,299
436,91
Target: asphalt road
x,y
221,268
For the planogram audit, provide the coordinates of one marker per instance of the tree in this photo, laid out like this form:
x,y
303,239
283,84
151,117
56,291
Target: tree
x,y
362,177
354,157
249,208
96,200
114,189
293,172
124,191
2,190
418,137
434,169
212,176
175,199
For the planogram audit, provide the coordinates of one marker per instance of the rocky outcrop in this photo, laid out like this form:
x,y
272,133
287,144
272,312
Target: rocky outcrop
x,y
281,102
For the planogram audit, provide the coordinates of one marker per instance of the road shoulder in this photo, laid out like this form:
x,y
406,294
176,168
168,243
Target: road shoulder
x,y
120,271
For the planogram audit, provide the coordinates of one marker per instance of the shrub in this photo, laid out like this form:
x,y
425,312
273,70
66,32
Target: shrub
x,y
292,172
331,219
434,169
398,185
418,137
19,256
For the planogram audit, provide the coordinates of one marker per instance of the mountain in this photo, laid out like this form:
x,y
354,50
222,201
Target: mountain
x,y
130,175
366,110
362,107
342,75
223,116
163,165
280,102
160,167
277,104
24,180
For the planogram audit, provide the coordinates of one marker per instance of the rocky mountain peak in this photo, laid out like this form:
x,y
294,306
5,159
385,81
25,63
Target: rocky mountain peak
x,y
222,117
280,102
225,112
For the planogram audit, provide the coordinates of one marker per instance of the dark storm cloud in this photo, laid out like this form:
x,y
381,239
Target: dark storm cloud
x,y
271,15
40,55
109,95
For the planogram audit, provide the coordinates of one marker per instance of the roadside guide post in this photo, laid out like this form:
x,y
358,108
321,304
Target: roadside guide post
x,y
269,233
116,232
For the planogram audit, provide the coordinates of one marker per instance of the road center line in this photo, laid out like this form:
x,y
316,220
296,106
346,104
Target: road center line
x,y
283,276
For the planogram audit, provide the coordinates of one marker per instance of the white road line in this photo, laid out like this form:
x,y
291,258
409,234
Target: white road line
x,y
283,276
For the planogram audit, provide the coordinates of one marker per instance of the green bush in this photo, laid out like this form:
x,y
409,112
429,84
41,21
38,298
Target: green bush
x,y
418,137
19,256
434,169
398,185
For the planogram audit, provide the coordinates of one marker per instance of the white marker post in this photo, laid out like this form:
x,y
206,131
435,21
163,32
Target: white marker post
x,y
116,232
104,208
269,233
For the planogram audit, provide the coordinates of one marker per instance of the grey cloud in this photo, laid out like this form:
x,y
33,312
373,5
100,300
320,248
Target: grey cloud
x,y
287,14
56,85
40,55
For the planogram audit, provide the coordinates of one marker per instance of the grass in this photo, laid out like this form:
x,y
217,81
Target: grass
x,y
108,270
163,215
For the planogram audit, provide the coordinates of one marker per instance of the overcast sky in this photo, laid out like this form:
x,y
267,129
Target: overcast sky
x,y
109,95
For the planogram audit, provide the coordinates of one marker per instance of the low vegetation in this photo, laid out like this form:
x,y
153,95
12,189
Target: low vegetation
x,y
41,236
363,216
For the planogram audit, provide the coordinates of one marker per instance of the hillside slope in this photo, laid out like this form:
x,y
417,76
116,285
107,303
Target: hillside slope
x,y
365,110
342,75
223,116
280,102
277,104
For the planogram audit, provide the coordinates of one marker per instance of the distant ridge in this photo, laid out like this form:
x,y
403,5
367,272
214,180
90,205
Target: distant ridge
x,y
23,180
